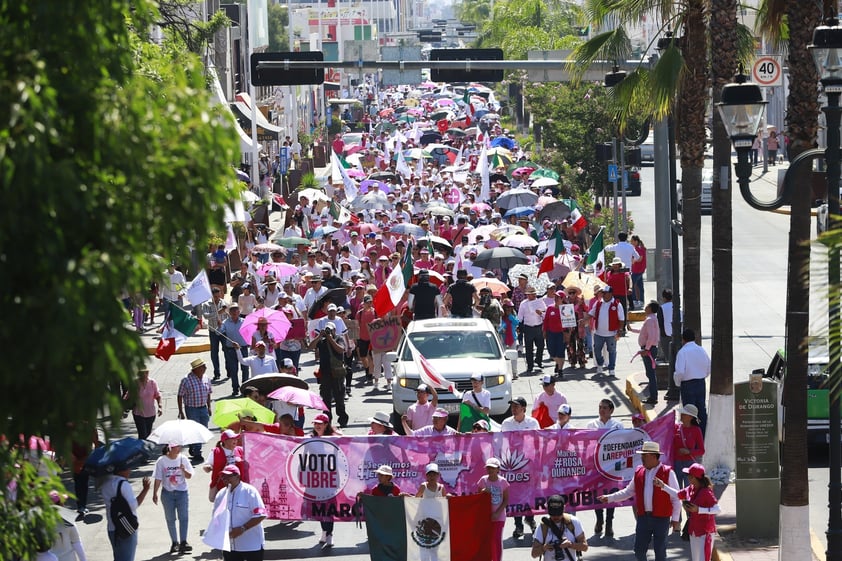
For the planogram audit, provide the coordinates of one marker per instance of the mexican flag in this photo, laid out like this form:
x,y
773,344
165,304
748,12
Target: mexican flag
x,y
341,214
390,294
428,373
554,246
178,327
468,416
596,255
440,529
577,219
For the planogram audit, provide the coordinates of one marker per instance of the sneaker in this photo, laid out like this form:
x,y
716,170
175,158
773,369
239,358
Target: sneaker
x,y
185,547
323,539
328,541
611,373
598,369
597,529
515,376
609,529
518,533
174,547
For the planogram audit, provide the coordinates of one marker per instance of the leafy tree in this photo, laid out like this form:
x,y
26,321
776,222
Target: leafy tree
x,y
111,152
278,22
182,21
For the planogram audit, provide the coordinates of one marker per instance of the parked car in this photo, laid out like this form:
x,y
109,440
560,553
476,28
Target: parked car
x,y
456,348
818,402
706,200
647,150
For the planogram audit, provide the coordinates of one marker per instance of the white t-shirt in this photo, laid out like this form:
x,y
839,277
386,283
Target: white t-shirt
x,y
553,402
528,423
243,504
168,472
551,537
109,491
598,424
483,396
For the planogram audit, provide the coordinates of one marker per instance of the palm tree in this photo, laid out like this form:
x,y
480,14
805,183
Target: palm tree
x,y
719,445
802,128
678,84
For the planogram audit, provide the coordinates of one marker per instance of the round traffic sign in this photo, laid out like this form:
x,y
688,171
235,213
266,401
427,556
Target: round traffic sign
x,y
766,71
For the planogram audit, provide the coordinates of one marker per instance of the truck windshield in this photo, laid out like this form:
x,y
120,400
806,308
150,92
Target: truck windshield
x,y
433,345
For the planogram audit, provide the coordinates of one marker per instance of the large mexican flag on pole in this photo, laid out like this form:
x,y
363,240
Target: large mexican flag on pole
x,y
443,529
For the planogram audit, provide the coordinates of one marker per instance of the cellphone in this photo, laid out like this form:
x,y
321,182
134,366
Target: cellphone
x,y
687,503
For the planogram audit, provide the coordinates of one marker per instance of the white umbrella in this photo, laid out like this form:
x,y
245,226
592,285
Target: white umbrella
x,y
520,241
313,195
545,182
182,431
484,231
540,282
249,197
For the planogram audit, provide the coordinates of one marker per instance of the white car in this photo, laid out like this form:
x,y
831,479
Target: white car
x,y
456,348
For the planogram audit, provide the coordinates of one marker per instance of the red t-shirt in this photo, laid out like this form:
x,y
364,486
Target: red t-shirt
x,y
378,491
619,283
552,320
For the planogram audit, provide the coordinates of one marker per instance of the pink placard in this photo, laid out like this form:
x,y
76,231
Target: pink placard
x,y
319,478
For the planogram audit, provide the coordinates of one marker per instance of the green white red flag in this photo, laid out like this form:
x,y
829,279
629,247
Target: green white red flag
x,y
178,327
443,529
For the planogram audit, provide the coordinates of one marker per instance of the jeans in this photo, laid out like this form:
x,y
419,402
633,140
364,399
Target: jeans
x,y
600,341
123,548
649,364
232,365
294,356
175,505
678,467
143,425
600,518
637,287
693,392
533,335
651,527
331,389
256,555
80,488
201,416
215,342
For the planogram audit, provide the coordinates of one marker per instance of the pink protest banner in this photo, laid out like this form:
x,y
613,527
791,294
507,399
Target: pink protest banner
x,y
319,478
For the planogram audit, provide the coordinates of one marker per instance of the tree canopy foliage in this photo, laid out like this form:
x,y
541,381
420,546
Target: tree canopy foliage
x,y
110,152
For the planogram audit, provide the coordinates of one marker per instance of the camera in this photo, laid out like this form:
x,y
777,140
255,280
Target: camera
x,y
485,300
560,554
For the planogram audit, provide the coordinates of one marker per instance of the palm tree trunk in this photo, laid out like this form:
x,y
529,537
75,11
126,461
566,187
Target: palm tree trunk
x,y
802,127
719,439
691,140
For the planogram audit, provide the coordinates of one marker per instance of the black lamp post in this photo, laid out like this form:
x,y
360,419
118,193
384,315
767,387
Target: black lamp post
x,y
741,108
827,53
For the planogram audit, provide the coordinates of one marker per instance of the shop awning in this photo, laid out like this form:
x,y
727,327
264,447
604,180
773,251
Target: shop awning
x,y
266,131
219,97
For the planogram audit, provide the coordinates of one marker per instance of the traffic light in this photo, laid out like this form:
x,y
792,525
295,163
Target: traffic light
x,y
282,77
437,75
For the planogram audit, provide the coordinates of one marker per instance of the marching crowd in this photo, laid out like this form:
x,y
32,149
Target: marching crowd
x,y
437,213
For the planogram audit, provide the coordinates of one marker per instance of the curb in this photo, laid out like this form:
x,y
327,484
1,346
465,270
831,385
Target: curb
x,y
184,349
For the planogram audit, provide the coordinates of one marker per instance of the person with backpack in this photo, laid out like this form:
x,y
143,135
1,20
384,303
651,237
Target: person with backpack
x,y
560,537
121,512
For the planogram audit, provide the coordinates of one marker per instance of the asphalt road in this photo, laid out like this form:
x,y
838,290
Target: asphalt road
x,y
759,302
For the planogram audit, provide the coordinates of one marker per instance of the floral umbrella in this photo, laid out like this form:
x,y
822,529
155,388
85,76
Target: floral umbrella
x,y
540,282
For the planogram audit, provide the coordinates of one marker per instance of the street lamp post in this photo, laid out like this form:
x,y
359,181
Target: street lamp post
x,y
827,54
673,391
742,108
612,79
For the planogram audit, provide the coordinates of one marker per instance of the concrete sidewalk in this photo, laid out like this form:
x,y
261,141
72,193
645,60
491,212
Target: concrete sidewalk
x,y
729,544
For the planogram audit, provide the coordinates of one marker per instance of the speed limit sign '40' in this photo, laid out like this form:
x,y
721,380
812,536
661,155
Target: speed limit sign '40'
x,y
767,71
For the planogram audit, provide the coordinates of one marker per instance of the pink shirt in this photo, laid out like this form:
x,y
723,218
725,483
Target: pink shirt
x,y
496,489
650,333
419,416
147,395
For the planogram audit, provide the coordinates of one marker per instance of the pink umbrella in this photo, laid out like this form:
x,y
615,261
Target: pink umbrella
x,y
365,229
443,102
277,270
278,324
525,171
480,207
415,111
354,172
353,149
544,200
297,396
